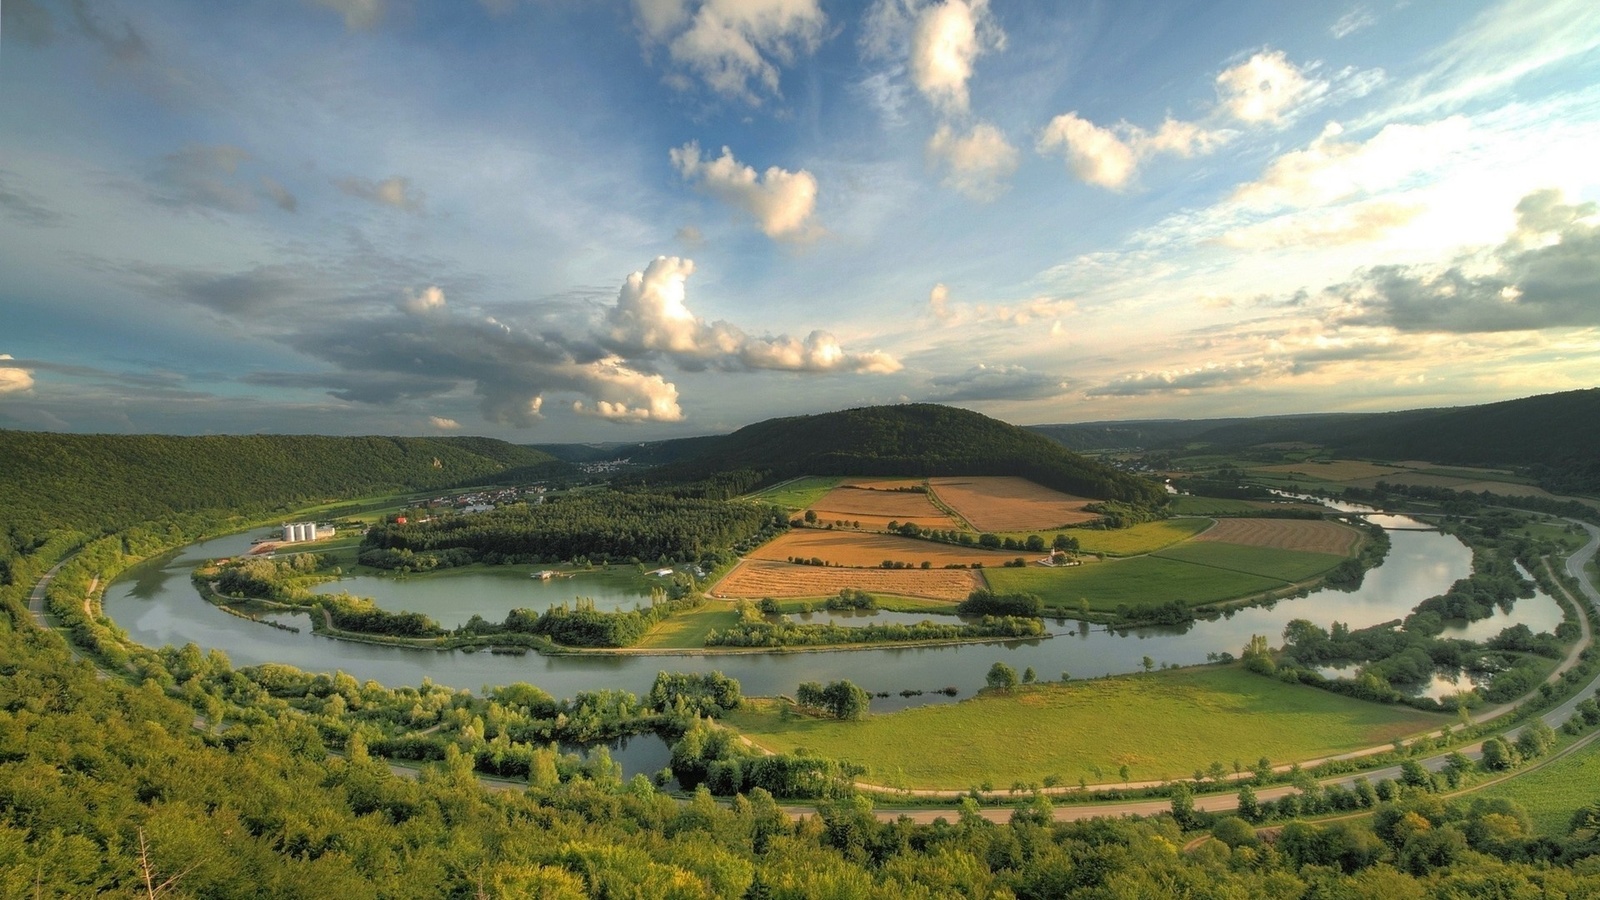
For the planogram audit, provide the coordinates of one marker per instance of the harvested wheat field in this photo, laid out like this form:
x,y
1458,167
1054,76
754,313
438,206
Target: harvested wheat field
x,y
757,578
1285,534
1001,503
876,503
855,549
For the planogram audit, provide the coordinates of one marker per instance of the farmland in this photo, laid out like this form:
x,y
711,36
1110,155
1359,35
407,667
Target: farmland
x,y
855,549
1137,583
757,578
1146,537
999,503
1268,562
1548,792
874,504
797,493
1090,729
1307,535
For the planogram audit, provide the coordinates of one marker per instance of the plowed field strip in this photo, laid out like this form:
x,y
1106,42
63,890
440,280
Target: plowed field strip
x,y
850,548
757,578
1001,503
1285,534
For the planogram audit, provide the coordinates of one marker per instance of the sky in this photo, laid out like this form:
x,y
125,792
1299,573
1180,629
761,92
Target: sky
x,y
625,220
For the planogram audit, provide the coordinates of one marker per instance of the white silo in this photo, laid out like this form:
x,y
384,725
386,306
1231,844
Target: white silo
x,y
288,532
311,531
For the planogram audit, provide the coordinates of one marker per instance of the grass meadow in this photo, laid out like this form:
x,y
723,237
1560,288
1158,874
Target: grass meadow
x,y
798,493
1143,538
1090,729
1139,582
1553,791
1268,562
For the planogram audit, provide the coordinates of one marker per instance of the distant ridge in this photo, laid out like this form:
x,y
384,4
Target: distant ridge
x,y
120,480
1554,437
917,439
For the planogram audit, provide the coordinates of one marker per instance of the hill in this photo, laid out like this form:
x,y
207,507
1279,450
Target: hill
x,y
918,439
1551,436
119,480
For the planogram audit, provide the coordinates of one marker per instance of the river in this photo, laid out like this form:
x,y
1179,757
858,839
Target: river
x,y
156,604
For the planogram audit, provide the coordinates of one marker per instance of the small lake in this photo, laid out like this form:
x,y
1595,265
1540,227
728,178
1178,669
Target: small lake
x,y
155,603
451,597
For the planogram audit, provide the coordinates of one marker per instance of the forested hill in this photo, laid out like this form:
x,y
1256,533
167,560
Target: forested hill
x,y
119,480
919,439
1553,436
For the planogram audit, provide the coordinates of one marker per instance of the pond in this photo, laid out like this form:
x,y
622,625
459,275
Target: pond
x,y
156,604
453,596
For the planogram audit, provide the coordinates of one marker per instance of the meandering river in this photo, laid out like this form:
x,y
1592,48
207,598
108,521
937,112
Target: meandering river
x,y
156,604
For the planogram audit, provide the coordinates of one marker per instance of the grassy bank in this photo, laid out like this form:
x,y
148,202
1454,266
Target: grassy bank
x,y
1090,729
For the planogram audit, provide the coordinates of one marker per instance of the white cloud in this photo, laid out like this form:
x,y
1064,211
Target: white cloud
x,y
14,379
1110,158
444,424
939,302
1330,169
731,44
1266,88
431,298
394,191
781,202
977,163
1351,22
1351,223
358,14
652,317
623,394
946,40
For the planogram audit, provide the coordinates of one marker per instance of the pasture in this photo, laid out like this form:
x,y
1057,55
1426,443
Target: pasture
x,y
754,579
1146,537
797,493
1308,535
1285,565
1000,504
1553,791
1090,729
1140,582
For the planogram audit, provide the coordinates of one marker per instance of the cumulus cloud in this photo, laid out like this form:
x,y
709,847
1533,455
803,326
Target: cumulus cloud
x,y
946,40
734,46
394,191
781,202
358,15
939,302
1266,88
1199,378
651,317
976,163
428,300
14,379
444,424
983,382
1110,158
1331,169
1545,275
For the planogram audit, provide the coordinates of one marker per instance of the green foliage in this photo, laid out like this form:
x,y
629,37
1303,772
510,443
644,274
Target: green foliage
x,y
984,602
694,693
917,439
754,631
1001,677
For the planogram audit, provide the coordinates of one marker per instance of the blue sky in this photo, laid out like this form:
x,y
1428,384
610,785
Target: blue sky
x,y
558,220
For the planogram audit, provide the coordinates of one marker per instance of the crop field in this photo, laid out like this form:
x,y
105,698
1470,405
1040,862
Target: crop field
x,y
1142,581
688,630
1090,729
1269,562
1551,793
797,493
876,504
1340,470
1001,503
853,548
1308,535
1185,505
1146,537
753,579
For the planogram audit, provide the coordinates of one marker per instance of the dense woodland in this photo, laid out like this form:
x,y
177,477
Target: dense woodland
x,y
917,439
181,774
597,525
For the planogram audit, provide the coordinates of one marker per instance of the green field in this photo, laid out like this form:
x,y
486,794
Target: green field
x,y
1186,505
1068,731
1553,791
687,631
1268,562
1139,582
1143,538
798,493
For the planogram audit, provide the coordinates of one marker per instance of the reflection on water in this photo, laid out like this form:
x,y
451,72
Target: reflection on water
x,y
452,597
156,605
